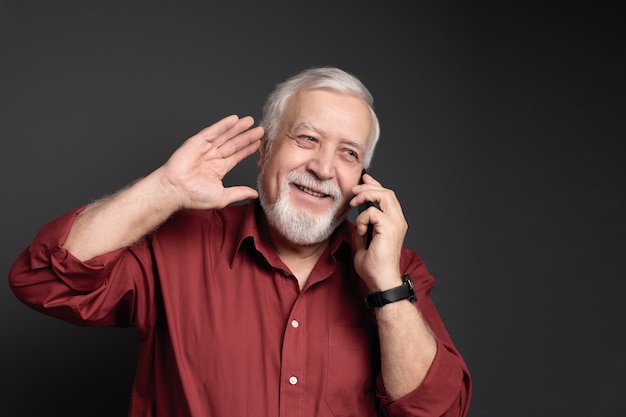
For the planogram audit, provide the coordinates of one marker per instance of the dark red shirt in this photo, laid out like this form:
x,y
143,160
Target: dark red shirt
x,y
224,328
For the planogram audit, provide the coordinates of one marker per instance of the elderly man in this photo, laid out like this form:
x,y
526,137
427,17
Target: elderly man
x,y
277,307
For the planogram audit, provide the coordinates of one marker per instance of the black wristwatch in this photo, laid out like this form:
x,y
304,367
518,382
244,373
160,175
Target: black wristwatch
x,y
403,292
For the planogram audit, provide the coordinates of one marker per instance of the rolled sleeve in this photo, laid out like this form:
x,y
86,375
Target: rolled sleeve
x,y
447,388
444,392
46,251
51,280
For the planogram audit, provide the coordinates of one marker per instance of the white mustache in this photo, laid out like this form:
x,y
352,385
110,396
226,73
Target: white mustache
x,y
309,181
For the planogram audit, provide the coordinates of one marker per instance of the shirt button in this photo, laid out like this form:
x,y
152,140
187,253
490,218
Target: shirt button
x,y
294,324
293,380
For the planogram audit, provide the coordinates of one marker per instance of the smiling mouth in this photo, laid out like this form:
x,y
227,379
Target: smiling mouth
x,y
310,191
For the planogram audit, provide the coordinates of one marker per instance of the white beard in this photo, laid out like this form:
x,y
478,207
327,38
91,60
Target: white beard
x,y
296,224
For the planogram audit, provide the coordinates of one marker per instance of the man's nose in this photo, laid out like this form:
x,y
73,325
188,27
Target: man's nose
x,y
323,165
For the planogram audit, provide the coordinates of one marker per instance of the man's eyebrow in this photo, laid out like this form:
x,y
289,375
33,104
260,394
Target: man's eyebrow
x,y
309,125
354,143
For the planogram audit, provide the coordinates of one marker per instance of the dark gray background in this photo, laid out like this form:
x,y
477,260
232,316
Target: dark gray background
x,y
500,128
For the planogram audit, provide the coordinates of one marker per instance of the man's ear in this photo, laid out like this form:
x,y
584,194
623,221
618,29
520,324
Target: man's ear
x,y
262,152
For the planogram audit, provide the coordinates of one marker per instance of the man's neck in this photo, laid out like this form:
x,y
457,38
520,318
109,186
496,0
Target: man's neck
x,y
300,259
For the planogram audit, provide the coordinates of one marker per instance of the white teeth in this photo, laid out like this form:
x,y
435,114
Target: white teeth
x,y
309,191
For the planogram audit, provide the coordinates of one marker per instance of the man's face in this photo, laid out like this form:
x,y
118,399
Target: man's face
x,y
315,160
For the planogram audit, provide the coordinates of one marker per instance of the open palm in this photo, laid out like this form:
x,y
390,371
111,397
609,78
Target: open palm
x,y
196,169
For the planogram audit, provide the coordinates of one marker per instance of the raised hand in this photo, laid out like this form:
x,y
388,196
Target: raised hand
x,y
194,173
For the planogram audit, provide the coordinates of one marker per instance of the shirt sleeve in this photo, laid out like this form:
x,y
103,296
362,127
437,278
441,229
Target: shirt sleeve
x,y
102,291
446,390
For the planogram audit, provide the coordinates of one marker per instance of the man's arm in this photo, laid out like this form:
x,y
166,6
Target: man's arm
x,y
422,374
407,346
190,179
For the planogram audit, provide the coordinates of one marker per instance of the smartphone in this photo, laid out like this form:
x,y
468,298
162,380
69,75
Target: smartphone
x,y
363,207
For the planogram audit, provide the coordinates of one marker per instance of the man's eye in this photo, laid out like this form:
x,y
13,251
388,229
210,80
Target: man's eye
x,y
352,154
306,140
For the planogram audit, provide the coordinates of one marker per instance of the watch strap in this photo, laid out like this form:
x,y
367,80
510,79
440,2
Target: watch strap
x,y
402,292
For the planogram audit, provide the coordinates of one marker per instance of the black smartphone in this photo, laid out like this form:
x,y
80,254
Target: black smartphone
x,y
361,208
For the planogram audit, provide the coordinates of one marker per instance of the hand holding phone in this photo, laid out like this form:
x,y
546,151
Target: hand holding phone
x,y
361,208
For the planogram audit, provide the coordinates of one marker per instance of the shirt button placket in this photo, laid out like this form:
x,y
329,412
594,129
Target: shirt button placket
x,y
294,380
293,360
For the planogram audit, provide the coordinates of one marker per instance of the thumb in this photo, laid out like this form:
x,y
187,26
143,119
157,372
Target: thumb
x,y
239,193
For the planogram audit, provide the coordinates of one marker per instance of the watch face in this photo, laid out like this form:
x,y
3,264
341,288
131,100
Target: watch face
x,y
409,283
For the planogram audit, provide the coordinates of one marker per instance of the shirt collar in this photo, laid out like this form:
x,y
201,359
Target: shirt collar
x,y
249,231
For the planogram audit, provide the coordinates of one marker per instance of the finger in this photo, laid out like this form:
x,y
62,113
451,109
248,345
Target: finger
x,y
359,236
218,128
361,224
365,221
364,196
366,218
390,204
368,179
240,126
238,193
368,184
241,154
239,142
385,200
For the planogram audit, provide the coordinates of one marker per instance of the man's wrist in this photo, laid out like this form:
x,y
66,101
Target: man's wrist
x,y
168,197
406,291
